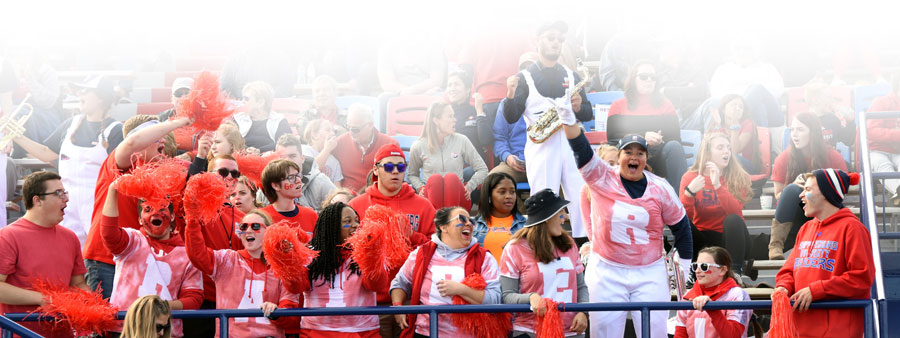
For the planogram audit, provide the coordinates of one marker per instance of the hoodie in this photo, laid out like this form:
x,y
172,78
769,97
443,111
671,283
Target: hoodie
x,y
418,209
832,257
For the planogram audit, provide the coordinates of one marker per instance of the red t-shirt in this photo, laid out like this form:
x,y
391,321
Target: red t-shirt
x,y
128,211
709,206
356,163
29,251
779,170
306,218
884,134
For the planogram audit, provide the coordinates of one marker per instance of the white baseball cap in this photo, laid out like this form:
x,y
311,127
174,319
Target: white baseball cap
x,y
182,82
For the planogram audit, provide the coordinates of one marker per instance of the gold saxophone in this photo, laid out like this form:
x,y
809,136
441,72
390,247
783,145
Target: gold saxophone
x,y
549,122
10,127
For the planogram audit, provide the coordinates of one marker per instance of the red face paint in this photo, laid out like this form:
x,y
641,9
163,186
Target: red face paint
x,y
156,222
288,186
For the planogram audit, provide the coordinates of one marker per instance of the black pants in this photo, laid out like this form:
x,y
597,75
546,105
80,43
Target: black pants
x,y
735,238
667,160
201,327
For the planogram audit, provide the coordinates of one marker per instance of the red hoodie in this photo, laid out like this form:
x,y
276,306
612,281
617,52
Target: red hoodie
x,y
417,208
709,206
833,258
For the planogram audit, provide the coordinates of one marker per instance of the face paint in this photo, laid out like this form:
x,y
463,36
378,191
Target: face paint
x,y
156,223
809,196
288,186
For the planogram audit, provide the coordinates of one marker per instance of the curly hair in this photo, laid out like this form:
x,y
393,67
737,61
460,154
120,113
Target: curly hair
x,y
327,240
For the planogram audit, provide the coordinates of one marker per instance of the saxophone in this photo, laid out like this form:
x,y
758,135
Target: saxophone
x,y
549,122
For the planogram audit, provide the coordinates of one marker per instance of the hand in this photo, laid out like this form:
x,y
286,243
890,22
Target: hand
x,y
713,174
579,323
468,193
204,144
576,103
183,121
802,299
564,110
267,308
13,206
449,288
653,138
479,103
697,184
401,321
252,151
330,144
535,301
585,251
512,83
777,290
800,180
514,162
715,121
699,302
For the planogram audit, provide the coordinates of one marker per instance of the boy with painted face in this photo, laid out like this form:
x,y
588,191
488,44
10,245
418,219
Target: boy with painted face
x,y
150,261
281,183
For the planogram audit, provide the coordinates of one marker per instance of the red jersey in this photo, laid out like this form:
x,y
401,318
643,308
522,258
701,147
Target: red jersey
x,y
218,235
779,170
708,207
128,210
356,160
305,218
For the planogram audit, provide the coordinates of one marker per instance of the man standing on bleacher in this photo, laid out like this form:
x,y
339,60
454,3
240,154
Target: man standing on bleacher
x,y
831,260
531,93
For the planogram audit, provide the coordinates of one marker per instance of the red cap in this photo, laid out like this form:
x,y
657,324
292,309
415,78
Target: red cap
x,y
389,150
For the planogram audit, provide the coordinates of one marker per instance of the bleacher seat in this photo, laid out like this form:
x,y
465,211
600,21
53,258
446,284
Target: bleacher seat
x,y
690,140
864,95
604,99
765,153
406,114
405,144
344,102
153,108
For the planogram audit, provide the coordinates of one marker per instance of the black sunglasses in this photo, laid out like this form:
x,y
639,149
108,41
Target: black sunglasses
x,y
163,327
224,173
561,38
647,77
254,226
389,167
463,220
704,267
181,92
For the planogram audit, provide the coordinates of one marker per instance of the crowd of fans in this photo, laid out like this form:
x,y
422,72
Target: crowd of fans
x,y
331,165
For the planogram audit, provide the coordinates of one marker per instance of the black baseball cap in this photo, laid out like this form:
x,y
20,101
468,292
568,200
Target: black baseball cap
x,y
632,138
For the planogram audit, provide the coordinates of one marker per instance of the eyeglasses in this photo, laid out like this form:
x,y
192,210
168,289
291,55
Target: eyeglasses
x,y
647,77
551,38
293,178
389,167
181,92
254,226
224,173
163,327
356,130
704,267
463,220
58,192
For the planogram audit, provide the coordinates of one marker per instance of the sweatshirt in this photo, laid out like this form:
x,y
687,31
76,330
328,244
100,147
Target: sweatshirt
x,y
643,118
833,258
708,207
453,156
884,134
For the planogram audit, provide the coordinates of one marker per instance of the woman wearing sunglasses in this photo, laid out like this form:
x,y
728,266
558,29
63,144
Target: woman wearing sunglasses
x,y
715,282
498,213
440,156
646,112
336,280
433,273
542,261
148,317
243,279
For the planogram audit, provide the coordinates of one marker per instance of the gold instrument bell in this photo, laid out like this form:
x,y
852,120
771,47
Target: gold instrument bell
x,y
12,127
549,122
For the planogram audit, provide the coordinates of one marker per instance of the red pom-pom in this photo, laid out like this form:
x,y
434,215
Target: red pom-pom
x,y
380,244
84,311
550,324
204,197
854,178
482,325
157,183
252,165
288,255
206,105
782,324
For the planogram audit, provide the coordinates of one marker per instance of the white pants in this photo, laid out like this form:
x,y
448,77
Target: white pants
x,y
551,164
614,283
882,161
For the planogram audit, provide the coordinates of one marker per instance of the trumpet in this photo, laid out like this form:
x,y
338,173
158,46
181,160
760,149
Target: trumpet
x,y
11,127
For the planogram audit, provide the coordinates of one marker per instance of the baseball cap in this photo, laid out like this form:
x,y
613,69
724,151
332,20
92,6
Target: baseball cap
x,y
102,85
632,138
182,83
559,25
389,150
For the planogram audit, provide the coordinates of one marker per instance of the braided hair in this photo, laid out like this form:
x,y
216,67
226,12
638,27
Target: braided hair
x,y
327,240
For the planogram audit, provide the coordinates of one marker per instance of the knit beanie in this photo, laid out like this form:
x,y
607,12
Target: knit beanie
x,y
834,184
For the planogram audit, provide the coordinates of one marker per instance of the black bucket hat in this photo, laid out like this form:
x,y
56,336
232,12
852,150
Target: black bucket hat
x,y
543,205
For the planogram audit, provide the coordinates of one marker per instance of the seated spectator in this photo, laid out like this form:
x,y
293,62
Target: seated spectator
x,y
180,87
838,123
645,111
884,140
509,138
758,82
715,282
138,265
227,140
471,121
148,317
24,254
321,141
38,78
356,149
455,254
242,197
324,106
713,192
281,184
243,279
342,195
498,213
80,144
734,120
258,124
807,152
440,156
315,185
683,78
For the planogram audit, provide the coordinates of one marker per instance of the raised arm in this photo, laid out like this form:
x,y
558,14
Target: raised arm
x,y
114,237
201,256
141,139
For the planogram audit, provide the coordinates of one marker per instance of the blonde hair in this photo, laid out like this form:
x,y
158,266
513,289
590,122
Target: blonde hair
x,y
258,212
606,148
430,132
737,180
335,193
261,91
312,127
140,321
231,134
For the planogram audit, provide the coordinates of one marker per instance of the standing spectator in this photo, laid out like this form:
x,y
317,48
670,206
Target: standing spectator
x,y
281,184
356,149
258,124
833,259
735,120
24,254
808,151
316,186
243,195
472,121
542,261
321,141
884,140
498,213
509,138
715,282
837,121
80,144
180,88
324,105
39,79
440,156
713,192
758,82
646,112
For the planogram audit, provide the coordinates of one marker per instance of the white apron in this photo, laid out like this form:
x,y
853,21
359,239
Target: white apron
x,y
79,168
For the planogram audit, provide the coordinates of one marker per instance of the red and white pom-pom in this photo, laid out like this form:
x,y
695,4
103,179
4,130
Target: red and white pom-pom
x,y
782,324
84,311
288,256
252,165
380,243
854,178
482,325
157,183
550,324
204,197
206,105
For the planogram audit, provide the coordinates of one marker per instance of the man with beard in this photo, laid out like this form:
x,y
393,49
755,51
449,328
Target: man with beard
x,y
531,93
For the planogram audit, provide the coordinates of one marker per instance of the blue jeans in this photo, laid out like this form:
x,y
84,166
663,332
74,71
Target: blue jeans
x,y
101,275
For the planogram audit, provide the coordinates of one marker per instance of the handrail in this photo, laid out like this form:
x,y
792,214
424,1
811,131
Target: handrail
x,y
867,202
433,310
10,327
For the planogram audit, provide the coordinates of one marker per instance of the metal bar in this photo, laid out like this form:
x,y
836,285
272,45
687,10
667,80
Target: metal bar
x,y
432,323
13,327
645,322
885,175
869,321
882,115
867,203
6,333
889,235
223,325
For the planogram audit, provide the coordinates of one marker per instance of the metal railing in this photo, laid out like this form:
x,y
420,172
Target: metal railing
x,y
433,310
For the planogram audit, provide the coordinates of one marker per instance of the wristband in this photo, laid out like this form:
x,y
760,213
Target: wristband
x,y
688,190
396,303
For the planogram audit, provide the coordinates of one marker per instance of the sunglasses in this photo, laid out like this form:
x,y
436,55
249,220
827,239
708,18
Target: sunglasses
x,y
59,193
254,226
293,178
704,267
181,92
356,130
224,173
647,77
389,167
560,38
163,327
463,220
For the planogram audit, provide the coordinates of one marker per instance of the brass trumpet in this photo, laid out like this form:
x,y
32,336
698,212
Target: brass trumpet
x,y
10,127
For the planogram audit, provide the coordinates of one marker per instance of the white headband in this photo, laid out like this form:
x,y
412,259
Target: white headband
x,y
143,126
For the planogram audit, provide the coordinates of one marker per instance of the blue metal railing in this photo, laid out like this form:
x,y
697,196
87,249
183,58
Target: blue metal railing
x,y
645,307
